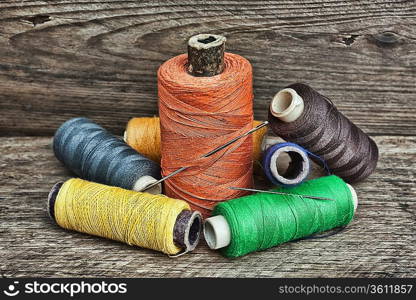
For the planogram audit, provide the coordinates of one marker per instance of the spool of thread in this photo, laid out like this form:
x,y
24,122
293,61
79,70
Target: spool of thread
x,y
301,115
205,100
141,219
262,220
143,135
286,164
92,153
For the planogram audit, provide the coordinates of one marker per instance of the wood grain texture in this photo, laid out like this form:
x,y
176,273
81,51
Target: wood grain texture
x,y
60,59
380,242
64,58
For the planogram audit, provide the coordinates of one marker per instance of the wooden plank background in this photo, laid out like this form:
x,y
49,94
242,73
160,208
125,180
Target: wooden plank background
x,y
60,59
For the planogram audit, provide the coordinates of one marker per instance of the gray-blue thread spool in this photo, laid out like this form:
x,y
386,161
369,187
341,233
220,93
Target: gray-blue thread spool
x,y
92,153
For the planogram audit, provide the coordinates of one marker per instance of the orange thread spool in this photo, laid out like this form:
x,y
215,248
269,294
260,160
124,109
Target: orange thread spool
x,y
198,114
143,135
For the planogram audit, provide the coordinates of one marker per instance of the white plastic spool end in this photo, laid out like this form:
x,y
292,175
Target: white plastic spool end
x,y
287,105
217,232
354,196
144,182
125,136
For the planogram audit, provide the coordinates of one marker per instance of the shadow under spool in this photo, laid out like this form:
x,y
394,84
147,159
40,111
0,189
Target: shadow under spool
x,y
186,232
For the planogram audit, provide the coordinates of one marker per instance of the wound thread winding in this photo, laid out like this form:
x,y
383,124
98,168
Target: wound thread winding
x,y
92,153
198,114
323,130
143,135
135,218
262,220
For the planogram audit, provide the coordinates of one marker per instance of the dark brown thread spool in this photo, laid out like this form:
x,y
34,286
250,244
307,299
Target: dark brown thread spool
x,y
301,115
186,232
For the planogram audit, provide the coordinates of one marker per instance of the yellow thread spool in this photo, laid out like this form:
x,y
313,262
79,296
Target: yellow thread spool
x,y
258,137
143,135
145,220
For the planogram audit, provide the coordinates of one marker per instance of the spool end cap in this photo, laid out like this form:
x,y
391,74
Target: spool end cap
x,y
125,136
144,182
50,202
193,230
217,232
206,41
287,105
354,196
206,55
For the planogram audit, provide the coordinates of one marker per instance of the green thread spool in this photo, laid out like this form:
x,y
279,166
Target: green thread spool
x,y
262,220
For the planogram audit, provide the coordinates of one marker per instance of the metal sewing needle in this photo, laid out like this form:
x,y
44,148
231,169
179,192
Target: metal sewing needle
x,y
209,154
280,193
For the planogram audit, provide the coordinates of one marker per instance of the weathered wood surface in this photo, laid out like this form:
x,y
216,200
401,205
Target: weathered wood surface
x,y
380,242
60,59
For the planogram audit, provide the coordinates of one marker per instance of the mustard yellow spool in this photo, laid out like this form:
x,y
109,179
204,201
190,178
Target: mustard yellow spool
x,y
139,219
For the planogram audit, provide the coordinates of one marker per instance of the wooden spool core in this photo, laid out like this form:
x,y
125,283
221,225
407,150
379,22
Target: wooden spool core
x,y
206,55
